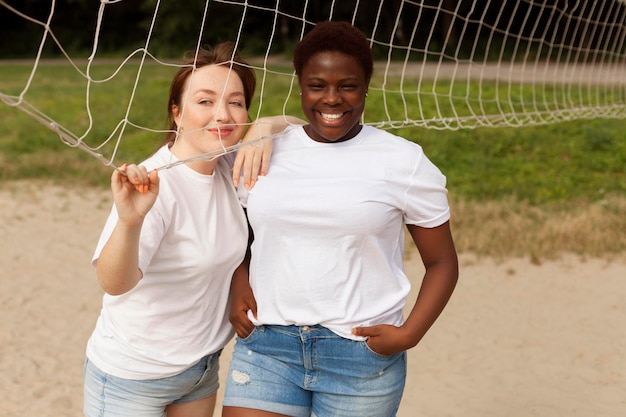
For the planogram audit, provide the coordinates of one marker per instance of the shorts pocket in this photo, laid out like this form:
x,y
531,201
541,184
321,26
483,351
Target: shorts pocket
x,y
373,352
251,336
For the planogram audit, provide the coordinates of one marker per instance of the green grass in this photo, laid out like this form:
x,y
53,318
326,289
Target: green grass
x,y
574,161
564,162
522,191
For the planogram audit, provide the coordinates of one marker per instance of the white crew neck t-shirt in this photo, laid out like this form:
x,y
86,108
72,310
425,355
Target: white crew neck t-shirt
x,y
191,242
329,228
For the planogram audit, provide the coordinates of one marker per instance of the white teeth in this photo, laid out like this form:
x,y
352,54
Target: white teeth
x,y
331,117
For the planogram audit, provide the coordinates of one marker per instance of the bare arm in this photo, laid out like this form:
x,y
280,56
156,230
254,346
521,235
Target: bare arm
x,y
241,296
439,256
134,194
442,271
254,159
242,299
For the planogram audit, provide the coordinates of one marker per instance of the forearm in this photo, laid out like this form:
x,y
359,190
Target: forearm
x,y
242,301
437,286
118,264
252,161
276,124
240,277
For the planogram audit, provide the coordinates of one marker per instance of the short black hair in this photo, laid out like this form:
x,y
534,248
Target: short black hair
x,y
334,36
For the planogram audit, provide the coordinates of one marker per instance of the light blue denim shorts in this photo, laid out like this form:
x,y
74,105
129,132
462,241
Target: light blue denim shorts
x,y
304,371
107,396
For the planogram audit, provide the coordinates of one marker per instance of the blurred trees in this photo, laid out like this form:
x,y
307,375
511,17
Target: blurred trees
x,y
457,28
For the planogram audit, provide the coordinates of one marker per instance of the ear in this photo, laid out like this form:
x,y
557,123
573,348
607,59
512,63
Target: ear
x,y
176,114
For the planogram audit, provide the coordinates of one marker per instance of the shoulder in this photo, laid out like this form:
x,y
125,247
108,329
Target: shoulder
x,y
391,147
380,136
401,154
292,138
290,132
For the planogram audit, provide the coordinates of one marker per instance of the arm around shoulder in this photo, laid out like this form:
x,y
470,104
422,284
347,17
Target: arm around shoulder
x,y
254,159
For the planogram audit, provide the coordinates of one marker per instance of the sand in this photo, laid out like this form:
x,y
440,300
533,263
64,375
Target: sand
x,y
517,339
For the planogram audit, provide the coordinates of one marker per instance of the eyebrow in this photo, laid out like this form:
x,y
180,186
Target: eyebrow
x,y
211,92
320,78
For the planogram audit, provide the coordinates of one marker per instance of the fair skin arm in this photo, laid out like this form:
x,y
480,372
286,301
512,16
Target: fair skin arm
x,y
254,160
436,248
134,193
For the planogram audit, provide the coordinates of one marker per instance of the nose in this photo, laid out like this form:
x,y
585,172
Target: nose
x,y
332,96
221,113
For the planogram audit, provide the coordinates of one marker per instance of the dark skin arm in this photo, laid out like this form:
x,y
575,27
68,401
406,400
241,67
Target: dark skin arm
x,y
241,295
242,300
436,248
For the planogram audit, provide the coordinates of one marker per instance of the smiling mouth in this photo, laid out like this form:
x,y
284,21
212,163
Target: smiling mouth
x,y
331,117
221,132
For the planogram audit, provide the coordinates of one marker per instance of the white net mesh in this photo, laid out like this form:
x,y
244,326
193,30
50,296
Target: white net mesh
x,y
439,64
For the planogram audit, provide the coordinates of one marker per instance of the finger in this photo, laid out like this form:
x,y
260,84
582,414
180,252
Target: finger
x,y
248,329
138,177
266,156
117,177
240,330
251,172
243,326
369,331
265,164
243,332
118,172
248,166
154,181
251,304
377,347
239,158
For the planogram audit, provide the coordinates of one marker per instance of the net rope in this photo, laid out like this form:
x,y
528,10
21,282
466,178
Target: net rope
x,y
444,64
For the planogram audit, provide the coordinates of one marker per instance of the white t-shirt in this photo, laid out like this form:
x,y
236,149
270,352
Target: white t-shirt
x,y
191,241
328,222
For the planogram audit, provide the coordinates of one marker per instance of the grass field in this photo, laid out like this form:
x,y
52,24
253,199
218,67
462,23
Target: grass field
x,y
532,191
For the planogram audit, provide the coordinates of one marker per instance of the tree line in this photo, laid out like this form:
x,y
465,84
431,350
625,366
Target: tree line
x,y
455,27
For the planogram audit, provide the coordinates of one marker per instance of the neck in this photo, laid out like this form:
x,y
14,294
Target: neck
x,y
200,165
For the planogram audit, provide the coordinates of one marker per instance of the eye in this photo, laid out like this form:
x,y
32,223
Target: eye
x,y
349,87
237,103
315,87
205,101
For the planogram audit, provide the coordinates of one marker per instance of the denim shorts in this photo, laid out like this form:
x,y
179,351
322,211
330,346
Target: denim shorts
x,y
304,371
107,396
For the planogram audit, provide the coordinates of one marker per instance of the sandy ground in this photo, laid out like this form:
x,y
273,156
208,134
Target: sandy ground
x,y
517,339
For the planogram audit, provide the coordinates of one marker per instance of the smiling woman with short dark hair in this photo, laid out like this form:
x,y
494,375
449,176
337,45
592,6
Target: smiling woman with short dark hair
x,y
319,313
